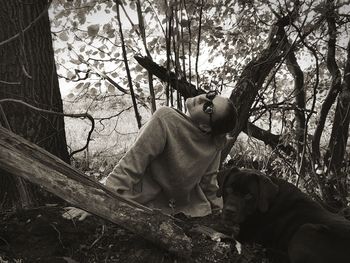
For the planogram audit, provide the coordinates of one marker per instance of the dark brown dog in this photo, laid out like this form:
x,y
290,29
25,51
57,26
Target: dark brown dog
x,y
278,215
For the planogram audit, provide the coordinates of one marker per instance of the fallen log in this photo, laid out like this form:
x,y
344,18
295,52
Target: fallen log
x,y
20,157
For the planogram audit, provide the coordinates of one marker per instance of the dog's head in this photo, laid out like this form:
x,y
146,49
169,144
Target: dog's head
x,y
244,191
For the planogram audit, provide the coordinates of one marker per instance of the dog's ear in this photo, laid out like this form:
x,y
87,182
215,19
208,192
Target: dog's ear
x,y
222,177
268,190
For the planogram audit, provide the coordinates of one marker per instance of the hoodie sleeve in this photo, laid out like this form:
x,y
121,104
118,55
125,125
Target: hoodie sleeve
x,y
210,186
126,175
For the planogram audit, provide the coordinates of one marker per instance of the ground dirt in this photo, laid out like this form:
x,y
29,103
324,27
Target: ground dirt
x,y
42,235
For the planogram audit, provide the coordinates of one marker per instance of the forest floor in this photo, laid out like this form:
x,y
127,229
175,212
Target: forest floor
x,y
43,235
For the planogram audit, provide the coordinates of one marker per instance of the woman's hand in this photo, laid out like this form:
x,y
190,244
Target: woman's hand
x,y
73,213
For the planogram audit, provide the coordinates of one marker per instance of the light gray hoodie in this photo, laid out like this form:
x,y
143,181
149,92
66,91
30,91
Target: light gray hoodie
x,y
167,165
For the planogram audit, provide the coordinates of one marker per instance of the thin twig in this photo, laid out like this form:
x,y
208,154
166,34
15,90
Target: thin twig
x,y
23,61
59,234
99,238
9,83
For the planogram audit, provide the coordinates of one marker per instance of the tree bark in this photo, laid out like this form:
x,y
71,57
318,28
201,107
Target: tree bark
x,y
28,73
300,100
256,72
337,190
22,158
335,84
333,187
339,137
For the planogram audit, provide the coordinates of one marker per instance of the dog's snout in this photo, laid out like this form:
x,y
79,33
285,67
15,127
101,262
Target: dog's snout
x,y
230,212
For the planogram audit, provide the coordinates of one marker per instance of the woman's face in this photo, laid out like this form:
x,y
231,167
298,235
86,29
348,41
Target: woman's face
x,y
195,108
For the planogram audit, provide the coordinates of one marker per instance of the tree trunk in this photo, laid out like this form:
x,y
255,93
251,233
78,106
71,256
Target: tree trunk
x,y
337,144
28,73
335,84
332,187
254,75
339,137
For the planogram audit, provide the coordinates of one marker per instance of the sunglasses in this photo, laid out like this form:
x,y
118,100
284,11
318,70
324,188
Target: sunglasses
x,y
208,106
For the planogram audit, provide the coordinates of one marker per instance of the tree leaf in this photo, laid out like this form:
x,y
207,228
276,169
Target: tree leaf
x,y
93,91
86,85
111,88
93,30
63,36
76,61
79,85
70,75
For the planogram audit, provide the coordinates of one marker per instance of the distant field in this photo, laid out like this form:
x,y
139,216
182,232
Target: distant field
x,y
111,137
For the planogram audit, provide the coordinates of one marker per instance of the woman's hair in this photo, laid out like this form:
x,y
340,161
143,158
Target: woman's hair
x,y
226,123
